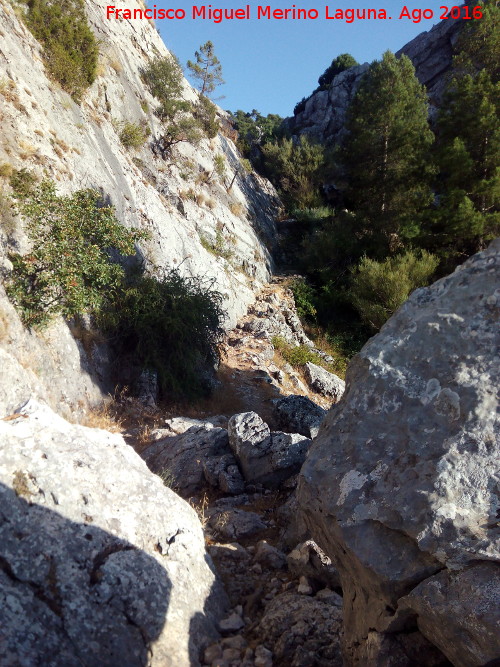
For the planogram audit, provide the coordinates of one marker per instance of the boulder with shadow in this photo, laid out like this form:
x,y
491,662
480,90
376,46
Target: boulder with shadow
x,y
100,563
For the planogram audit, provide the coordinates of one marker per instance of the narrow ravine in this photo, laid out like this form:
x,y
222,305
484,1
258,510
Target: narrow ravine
x,y
284,595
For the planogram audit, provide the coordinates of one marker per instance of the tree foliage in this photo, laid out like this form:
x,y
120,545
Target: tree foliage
x,y
339,64
182,120
163,77
468,145
478,45
70,268
379,288
69,47
385,157
255,129
207,70
296,169
469,158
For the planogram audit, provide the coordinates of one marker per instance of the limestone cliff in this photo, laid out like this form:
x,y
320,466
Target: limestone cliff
x,y
181,201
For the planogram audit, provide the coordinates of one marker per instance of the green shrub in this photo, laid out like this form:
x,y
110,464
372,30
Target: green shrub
x,y
8,223
218,247
317,214
300,106
304,296
70,48
297,356
338,65
206,115
296,169
379,288
133,135
69,269
163,76
220,165
171,325
22,181
181,120
246,164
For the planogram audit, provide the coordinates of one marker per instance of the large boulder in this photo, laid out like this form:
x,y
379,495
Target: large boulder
x,y
298,414
323,382
400,488
100,563
264,457
183,457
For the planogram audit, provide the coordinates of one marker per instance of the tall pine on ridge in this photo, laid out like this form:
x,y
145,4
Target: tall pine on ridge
x,y
468,145
385,157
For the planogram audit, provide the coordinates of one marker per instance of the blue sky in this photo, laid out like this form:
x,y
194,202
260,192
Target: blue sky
x,y
269,65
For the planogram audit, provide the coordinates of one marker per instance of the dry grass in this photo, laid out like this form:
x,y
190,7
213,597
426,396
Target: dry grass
x,y
96,116
203,177
115,64
104,417
5,170
236,209
4,327
8,90
200,506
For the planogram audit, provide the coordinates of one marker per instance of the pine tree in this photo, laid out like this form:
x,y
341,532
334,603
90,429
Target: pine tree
x,y
207,69
469,159
385,157
478,45
468,145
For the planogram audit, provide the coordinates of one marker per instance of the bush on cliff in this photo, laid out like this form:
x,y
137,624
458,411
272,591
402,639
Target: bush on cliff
x,y
69,47
69,269
169,324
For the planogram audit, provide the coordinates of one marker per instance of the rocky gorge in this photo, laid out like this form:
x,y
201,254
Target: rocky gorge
x,y
292,519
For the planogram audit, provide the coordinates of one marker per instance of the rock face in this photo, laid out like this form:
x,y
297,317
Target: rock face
x,y
100,564
265,458
400,488
431,53
194,222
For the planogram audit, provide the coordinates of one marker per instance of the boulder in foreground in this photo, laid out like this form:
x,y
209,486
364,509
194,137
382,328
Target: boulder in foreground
x,y
400,488
100,564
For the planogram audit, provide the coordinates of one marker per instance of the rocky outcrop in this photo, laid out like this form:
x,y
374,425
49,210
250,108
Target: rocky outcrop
x,y
183,457
264,457
100,563
51,366
400,488
431,52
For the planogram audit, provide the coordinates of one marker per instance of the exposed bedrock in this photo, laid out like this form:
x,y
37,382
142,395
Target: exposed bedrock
x,y
401,486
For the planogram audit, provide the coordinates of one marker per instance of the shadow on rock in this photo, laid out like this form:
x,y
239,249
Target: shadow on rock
x,y
74,594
